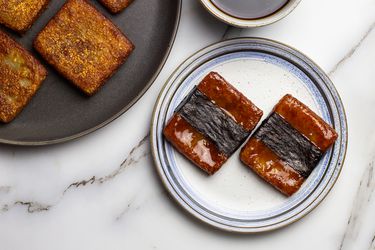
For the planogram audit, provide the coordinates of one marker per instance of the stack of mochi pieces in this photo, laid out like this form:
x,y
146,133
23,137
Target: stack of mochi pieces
x,y
215,119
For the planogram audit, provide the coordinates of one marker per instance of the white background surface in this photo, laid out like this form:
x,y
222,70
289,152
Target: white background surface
x,y
79,195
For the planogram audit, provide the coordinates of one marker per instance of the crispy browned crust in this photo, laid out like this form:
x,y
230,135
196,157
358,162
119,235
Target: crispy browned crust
x,y
83,45
116,6
20,78
20,15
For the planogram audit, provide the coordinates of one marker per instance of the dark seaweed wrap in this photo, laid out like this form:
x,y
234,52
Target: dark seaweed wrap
x,y
288,144
210,120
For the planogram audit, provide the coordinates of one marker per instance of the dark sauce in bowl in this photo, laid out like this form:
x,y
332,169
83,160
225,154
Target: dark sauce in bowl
x,y
249,9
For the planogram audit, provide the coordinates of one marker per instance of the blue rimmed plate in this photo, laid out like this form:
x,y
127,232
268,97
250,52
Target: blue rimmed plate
x,y
235,198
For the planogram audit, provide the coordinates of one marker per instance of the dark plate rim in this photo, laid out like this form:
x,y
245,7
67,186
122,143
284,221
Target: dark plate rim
x,y
304,212
121,112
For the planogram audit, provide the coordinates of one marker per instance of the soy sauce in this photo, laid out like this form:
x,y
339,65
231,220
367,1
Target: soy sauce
x,y
249,9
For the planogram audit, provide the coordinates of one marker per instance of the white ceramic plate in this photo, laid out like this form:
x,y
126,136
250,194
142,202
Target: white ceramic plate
x,y
235,198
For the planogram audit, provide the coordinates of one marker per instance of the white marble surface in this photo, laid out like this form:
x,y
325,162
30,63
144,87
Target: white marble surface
x,y
102,192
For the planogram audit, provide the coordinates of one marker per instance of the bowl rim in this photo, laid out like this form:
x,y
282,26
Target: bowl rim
x,y
250,23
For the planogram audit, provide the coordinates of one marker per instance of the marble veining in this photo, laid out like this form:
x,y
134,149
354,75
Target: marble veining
x,y
102,192
137,153
353,50
364,196
127,208
33,207
231,32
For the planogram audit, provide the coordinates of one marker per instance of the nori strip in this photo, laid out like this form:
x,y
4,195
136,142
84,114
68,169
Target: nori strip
x,y
213,122
186,99
288,144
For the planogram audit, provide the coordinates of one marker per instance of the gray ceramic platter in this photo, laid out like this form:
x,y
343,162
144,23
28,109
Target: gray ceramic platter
x,y
59,112
235,198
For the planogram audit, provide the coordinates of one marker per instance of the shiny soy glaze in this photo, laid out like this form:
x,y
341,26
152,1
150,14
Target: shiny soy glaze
x,y
309,124
194,145
249,9
287,143
230,100
270,167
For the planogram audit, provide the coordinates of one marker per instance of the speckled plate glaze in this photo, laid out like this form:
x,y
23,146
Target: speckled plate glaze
x,y
235,199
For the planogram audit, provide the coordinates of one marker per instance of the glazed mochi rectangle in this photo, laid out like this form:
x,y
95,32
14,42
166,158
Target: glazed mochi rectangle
x,y
211,123
288,145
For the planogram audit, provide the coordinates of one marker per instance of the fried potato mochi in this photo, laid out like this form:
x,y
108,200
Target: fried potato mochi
x,y
20,78
211,123
83,45
116,6
288,145
20,15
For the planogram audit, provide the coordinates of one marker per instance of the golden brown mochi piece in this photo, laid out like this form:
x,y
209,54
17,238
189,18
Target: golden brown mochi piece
x,y
303,119
191,143
116,6
20,15
21,76
229,99
83,45
270,167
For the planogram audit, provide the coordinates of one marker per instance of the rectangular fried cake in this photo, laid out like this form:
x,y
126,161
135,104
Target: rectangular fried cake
x,y
288,145
20,15
21,76
83,45
116,6
211,123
